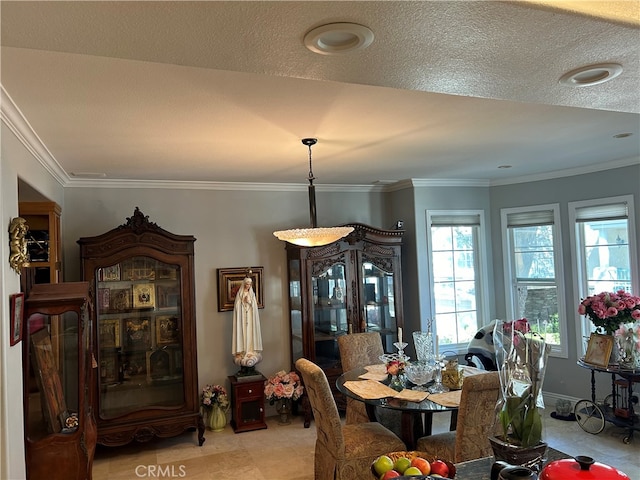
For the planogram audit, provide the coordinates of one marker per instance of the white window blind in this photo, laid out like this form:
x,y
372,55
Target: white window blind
x,y
613,211
529,219
455,220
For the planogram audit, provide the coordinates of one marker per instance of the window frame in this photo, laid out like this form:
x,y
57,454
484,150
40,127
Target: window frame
x,y
481,272
583,326
510,278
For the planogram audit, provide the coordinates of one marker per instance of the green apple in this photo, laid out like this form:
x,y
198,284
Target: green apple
x,y
383,464
411,471
401,464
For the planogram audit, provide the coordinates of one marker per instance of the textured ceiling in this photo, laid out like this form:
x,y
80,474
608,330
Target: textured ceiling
x,y
224,91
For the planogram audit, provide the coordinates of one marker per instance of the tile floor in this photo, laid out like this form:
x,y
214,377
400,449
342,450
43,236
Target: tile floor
x,y
286,452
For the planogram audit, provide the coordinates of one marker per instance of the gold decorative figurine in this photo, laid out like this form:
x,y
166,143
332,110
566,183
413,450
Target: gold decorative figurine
x,y
18,244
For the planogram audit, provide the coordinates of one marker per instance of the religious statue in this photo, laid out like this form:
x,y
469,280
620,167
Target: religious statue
x,y
246,345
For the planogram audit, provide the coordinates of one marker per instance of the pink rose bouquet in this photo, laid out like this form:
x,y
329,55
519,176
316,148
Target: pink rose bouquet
x,y
607,310
283,385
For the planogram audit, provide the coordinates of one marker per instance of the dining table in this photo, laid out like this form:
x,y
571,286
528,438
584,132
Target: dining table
x,y
416,417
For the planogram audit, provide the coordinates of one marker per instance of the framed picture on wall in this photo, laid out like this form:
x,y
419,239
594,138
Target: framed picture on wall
x,y
229,282
16,302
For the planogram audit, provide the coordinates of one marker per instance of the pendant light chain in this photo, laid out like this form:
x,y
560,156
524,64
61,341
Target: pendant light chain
x,y
310,142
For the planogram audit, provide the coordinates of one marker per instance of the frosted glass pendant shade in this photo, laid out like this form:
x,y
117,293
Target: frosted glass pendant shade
x,y
313,237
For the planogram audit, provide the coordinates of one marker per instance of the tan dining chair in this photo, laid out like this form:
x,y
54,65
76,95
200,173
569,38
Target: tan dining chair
x,y
358,350
342,452
476,422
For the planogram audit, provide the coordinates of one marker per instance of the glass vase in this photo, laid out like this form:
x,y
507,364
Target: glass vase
x,y
398,382
283,407
626,350
216,419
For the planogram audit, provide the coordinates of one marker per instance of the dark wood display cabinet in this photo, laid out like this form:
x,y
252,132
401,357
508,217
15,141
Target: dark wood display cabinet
x,y
349,286
59,428
44,243
247,404
144,332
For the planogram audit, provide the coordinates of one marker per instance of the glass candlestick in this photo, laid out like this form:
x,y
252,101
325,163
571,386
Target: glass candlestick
x,y
400,346
438,387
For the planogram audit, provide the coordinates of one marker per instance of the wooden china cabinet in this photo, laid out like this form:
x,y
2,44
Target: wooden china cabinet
x,y
349,286
144,333
59,427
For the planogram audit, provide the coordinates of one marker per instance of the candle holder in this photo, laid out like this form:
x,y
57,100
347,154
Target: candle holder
x,y
400,346
400,356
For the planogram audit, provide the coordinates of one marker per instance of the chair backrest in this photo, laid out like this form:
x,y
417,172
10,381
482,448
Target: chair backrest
x,y
476,416
480,351
325,411
360,349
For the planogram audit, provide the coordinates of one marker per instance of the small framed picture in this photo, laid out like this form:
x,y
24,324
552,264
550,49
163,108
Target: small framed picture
x,y
144,295
110,333
120,299
167,296
167,330
599,349
104,295
111,273
16,302
229,282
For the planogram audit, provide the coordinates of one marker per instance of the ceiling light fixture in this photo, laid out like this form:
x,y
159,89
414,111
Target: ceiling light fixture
x,y
314,236
338,38
591,75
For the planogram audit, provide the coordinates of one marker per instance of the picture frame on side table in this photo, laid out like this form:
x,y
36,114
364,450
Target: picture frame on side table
x,y
16,302
229,282
599,349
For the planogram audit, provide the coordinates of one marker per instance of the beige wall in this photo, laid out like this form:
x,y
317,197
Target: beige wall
x,y
232,229
16,161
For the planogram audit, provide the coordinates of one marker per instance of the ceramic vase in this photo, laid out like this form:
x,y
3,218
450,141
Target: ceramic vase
x,y
216,419
530,457
283,407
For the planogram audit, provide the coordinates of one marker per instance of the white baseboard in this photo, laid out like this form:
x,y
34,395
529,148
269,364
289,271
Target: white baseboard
x,y
551,398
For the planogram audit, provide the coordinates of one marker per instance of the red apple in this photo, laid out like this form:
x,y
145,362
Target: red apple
x,y
390,474
440,468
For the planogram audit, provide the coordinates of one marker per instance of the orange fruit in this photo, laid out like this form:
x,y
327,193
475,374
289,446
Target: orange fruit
x,y
421,464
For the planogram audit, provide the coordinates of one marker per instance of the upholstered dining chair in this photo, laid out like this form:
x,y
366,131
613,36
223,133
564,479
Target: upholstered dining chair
x,y
358,350
476,422
342,452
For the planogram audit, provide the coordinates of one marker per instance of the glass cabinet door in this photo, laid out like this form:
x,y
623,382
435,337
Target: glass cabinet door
x,y
379,302
53,395
295,306
139,336
329,313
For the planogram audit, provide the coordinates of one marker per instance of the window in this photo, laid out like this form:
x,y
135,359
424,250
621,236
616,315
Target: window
x,y
605,251
533,271
458,276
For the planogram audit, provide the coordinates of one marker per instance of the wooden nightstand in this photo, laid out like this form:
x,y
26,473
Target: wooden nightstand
x,y
247,404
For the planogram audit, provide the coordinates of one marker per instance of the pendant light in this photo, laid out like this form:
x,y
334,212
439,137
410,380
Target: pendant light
x,y
314,236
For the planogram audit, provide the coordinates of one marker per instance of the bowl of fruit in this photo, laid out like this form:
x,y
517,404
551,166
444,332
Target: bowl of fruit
x,y
411,466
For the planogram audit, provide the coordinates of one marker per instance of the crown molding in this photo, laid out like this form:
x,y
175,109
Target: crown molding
x,y
15,121
569,172
13,118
